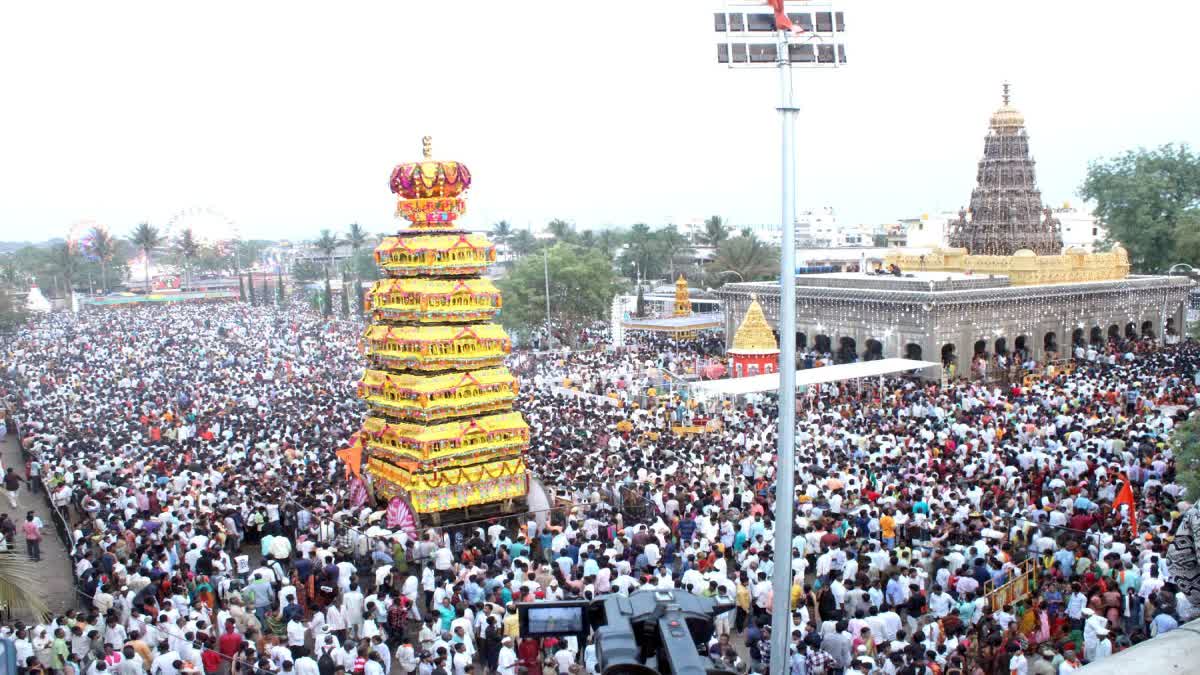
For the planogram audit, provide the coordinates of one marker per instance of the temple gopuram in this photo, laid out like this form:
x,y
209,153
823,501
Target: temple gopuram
x,y
1004,286
441,432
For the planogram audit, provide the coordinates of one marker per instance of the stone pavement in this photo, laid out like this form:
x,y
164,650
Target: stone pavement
x,y
53,574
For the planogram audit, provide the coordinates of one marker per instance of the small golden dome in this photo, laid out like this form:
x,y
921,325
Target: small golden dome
x,y
1006,116
754,336
1024,253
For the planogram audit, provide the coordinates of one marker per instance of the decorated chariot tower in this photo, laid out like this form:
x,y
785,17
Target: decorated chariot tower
x,y
441,432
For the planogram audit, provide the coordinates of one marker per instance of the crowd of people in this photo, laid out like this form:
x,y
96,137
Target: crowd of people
x,y
211,527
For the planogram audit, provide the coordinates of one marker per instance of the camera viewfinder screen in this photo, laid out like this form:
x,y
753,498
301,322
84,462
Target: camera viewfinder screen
x,y
555,620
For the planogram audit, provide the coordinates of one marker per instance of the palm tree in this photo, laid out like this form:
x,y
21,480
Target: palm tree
x,y
749,257
523,243
673,244
607,242
640,253
146,237
327,243
502,233
188,248
715,231
103,247
64,261
356,237
587,239
20,588
561,230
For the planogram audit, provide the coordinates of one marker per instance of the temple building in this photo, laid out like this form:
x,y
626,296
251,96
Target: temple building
x,y
1006,214
755,350
441,432
1006,287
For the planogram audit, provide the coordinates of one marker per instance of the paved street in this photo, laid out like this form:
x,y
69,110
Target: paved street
x,y
54,572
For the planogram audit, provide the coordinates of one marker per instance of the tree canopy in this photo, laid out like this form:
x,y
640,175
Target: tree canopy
x,y
1149,200
582,286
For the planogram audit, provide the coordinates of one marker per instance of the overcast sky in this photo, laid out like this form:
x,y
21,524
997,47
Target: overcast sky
x,y
288,116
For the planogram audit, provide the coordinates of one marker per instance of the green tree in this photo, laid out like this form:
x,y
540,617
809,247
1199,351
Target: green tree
x,y
20,589
188,248
715,231
1147,200
608,241
145,237
104,248
250,288
523,243
582,285
561,230
1185,443
306,271
749,257
641,256
356,237
13,314
502,233
673,246
64,263
279,286
327,244
241,288
345,296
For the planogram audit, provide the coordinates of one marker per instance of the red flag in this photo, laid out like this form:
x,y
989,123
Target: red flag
x,y
1125,496
782,22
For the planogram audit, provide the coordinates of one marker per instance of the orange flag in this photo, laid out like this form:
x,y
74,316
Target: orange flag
x,y
352,456
782,22
1125,496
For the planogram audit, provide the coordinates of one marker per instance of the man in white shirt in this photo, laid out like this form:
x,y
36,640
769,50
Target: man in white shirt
x,y
507,661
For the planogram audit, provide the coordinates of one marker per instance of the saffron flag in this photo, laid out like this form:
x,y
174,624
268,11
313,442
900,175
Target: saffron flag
x,y
1125,496
782,22
352,456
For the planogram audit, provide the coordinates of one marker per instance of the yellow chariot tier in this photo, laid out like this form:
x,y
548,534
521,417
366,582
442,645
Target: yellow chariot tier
x,y
448,444
435,348
435,254
452,488
425,398
434,300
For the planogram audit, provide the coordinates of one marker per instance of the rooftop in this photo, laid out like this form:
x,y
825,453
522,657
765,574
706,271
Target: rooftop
x,y
909,281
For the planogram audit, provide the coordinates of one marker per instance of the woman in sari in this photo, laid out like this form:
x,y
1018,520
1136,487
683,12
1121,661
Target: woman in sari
x,y
203,590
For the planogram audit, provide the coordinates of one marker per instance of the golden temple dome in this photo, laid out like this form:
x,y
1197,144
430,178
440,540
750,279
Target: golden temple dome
x,y
754,336
1007,117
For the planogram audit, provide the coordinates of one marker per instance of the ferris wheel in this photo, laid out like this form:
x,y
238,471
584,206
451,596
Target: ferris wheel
x,y
208,226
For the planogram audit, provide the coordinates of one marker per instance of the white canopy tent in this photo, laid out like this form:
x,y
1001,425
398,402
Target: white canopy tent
x,y
740,386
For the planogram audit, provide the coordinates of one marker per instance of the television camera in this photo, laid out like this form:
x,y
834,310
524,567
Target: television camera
x,y
658,631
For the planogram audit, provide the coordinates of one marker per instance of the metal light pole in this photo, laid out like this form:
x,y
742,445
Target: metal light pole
x,y
546,270
743,43
785,491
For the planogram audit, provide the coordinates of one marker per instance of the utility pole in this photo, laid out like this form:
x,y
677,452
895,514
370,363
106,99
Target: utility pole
x,y
546,270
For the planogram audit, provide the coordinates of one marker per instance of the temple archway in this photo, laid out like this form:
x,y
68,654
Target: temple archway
x,y
1131,331
1114,333
980,348
949,354
1096,336
912,351
1001,346
1148,329
822,344
1077,337
847,350
874,350
1050,342
801,341
1169,326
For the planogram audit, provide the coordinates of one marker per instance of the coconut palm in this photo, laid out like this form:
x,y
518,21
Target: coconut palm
x,y
327,243
561,230
20,588
188,248
749,257
146,238
356,237
671,242
64,262
502,233
103,247
715,231
523,243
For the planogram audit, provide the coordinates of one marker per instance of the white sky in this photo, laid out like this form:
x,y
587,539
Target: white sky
x,y
288,116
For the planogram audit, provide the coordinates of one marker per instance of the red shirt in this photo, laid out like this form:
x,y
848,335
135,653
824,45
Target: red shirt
x,y
230,643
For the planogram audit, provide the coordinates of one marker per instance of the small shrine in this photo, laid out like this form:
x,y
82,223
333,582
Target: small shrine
x,y
683,301
755,350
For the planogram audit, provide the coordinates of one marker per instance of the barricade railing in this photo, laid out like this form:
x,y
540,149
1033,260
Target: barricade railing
x,y
1019,586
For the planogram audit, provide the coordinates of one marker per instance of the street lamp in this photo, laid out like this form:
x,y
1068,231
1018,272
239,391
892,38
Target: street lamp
x,y
754,36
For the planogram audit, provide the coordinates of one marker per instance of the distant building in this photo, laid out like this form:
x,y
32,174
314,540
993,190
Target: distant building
x,y
1079,227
